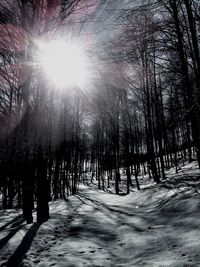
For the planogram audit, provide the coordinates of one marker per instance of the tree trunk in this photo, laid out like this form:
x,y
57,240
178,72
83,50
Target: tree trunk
x,y
42,188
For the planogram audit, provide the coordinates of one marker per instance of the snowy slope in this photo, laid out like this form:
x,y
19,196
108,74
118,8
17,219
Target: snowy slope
x,y
157,226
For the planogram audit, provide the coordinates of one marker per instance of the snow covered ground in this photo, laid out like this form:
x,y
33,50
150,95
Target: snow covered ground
x,y
157,226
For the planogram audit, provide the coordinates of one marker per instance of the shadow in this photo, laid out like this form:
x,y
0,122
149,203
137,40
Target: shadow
x,y
94,186
161,225
23,248
5,239
13,223
92,229
120,214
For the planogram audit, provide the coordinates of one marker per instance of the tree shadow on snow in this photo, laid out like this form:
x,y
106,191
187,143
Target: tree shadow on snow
x,y
14,222
182,180
157,227
119,216
23,248
91,228
171,210
14,228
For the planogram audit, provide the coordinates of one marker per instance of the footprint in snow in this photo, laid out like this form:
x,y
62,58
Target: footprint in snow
x,y
39,250
60,254
36,261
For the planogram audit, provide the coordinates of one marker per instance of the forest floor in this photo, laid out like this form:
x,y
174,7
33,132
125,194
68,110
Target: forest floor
x,y
156,226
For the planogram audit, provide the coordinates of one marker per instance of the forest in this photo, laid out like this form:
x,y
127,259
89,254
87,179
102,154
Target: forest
x,y
97,95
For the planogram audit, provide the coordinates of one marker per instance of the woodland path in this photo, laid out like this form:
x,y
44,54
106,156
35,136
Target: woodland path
x,y
150,228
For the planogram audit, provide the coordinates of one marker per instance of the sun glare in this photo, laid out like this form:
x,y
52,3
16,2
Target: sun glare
x,y
65,64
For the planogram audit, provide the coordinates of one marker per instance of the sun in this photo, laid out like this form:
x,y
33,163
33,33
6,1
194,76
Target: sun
x,y
64,63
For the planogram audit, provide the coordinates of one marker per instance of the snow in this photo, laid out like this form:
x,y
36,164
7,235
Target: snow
x,y
157,226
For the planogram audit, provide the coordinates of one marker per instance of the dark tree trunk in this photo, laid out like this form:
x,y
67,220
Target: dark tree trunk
x,y
42,189
27,191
